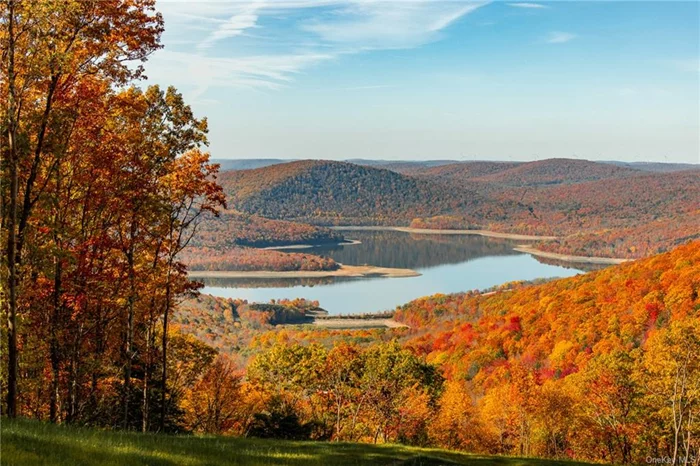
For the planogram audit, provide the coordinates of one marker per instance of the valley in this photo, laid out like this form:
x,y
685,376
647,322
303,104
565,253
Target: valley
x,y
234,232
404,266
581,208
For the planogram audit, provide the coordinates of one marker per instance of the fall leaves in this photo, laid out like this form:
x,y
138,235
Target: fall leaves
x,y
103,185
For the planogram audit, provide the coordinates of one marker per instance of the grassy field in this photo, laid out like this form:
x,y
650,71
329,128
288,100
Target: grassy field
x,y
34,443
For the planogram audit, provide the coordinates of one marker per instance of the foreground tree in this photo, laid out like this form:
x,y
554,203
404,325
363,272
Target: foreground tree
x,y
48,48
670,374
103,185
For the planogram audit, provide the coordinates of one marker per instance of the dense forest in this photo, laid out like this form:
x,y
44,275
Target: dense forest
x,y
632,216
594,208
250,259
103,185
230,228
588,367
231,240
326,192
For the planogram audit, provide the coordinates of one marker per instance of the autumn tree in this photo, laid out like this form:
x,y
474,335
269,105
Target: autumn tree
x,y
213,403
48,48
457,424
670,375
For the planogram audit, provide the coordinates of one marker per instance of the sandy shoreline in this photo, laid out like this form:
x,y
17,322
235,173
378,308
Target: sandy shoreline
x,y
431,231
569,258
349,242
343,271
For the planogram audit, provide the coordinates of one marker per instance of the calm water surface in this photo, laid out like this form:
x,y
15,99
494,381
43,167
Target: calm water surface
x,y
448,264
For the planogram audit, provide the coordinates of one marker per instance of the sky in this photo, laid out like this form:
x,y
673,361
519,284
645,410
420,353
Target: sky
x,y
424,79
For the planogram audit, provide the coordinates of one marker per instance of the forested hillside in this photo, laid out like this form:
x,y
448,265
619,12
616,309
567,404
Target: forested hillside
x,y
228,240
630,217
554,172
601,353
250,259
459,172
494,176
594,208
585,368
232,228
338,192
633,216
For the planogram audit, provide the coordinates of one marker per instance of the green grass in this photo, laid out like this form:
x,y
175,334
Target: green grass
x,y
34,443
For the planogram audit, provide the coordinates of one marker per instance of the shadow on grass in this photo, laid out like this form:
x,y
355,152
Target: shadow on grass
x,y
34,443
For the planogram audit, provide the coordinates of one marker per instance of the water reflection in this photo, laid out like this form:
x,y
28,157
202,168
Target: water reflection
x,y
411,251
448,264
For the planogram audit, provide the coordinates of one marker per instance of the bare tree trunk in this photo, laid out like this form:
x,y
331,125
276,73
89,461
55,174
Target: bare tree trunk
x,y
164,375
687,442
146,376
128,350
54,347
73,386
12,279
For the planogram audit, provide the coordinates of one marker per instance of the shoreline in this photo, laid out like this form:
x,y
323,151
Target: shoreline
x,y
349,242
527,249
570,258
359,323
433,231
343,271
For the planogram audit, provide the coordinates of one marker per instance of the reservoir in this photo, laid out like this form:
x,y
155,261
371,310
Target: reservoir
x,y
447,264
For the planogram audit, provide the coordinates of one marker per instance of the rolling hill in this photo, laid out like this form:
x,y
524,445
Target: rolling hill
x,y
610,341
459,172
658,166
491,176
554,172
233,228
340,192
554,369
595,208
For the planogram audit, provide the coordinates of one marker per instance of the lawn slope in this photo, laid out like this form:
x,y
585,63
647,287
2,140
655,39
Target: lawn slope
x,y
33,443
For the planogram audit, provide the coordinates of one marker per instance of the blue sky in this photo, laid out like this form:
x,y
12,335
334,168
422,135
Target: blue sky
x,y
438,79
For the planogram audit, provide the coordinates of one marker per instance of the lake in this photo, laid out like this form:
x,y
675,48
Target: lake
x,y
447,263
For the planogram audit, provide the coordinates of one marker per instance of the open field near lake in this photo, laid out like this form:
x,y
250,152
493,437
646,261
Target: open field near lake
x,y
31,443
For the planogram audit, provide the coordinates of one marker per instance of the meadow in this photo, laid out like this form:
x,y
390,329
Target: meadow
x,y
36,443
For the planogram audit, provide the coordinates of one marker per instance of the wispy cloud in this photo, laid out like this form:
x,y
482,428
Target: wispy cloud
x,y
244,19
289,42
388,25
527,5
262,72
558,37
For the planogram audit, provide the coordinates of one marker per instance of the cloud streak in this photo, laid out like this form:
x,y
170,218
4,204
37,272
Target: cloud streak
x,y
528,5
328,29
257,72
558,37
236,25
387,25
